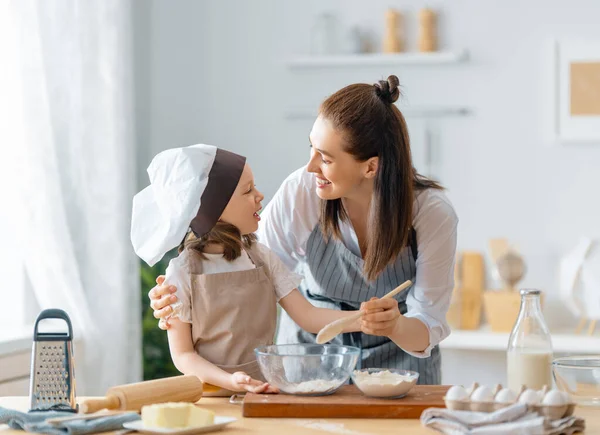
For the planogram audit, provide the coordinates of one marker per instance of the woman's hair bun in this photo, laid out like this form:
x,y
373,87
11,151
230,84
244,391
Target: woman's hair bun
x,y
388,90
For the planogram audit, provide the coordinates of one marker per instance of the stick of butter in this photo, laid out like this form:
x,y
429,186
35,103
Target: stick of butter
x,y
176,415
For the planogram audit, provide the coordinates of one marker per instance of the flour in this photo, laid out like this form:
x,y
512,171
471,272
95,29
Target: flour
x,y
383,383
326,426
316,386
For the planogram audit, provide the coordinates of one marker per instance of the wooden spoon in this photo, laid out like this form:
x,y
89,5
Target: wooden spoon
x,y
335,328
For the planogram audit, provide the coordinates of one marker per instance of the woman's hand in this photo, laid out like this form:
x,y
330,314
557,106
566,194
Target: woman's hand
x,y
161,297
381,317
240,381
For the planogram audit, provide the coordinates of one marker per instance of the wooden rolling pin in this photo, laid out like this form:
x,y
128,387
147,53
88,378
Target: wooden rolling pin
x,y
131,397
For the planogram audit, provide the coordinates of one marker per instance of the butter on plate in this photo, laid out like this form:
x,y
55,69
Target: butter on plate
x,y
176,415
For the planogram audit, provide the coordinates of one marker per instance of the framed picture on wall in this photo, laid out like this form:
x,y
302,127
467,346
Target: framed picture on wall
x,y
577,85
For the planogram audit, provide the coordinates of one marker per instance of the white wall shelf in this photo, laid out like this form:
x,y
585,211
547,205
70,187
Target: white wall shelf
x,y
377,59
485,340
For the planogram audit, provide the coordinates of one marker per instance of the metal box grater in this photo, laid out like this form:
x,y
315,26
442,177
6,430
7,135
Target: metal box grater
x,y
52,381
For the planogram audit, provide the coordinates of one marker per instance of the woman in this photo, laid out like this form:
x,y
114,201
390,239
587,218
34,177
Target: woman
x,y
359,220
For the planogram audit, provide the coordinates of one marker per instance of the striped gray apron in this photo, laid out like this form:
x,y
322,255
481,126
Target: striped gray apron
x,y
333,279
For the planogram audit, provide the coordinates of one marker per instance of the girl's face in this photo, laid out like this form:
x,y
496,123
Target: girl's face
x,y
244,205
337,173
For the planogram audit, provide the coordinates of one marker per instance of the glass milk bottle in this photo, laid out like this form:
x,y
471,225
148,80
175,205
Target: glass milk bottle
x,y
529,354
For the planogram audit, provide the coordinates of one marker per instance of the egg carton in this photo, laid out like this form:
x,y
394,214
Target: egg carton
x,y
553,404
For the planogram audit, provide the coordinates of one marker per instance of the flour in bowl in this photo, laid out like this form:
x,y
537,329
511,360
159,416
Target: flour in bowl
x,y
316,386
383,383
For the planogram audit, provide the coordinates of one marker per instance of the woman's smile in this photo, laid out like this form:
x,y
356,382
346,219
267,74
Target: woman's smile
x,y
322,182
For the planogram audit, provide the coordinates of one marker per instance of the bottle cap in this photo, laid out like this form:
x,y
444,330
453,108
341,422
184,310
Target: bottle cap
x,y
530,291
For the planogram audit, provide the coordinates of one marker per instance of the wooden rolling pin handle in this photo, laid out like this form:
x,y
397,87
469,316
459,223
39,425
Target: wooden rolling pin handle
x,y
89,406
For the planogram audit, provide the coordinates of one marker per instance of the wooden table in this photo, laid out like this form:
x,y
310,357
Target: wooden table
x,y
293,426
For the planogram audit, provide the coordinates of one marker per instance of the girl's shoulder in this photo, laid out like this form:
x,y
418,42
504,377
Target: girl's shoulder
x,y
261,252
188,261
180,262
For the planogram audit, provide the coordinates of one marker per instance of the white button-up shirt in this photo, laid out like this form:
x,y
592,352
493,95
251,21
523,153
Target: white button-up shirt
x,y
293,213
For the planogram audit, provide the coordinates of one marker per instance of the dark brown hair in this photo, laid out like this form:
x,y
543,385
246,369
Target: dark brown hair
x,y
223,234
372,126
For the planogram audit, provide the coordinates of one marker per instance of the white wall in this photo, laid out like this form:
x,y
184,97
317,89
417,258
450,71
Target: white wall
x,y
213,72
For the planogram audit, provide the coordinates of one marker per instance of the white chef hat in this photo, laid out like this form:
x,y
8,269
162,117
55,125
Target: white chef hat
x,y
189,188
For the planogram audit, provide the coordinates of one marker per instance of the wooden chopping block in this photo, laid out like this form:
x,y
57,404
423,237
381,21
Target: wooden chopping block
x,y
131,397
347,402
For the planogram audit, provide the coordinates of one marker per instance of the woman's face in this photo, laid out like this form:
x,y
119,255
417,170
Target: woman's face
x,y
244,205
338,174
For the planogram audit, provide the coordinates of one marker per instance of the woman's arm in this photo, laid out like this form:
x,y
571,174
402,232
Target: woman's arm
x,y
310,318
189,362
383,318
424,325
161,297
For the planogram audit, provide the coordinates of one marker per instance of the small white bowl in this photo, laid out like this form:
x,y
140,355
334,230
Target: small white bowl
x,y
375,382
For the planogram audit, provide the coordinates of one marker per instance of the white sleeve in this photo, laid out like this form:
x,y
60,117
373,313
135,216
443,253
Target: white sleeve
x,y
290,217
436,226
178,275
283,279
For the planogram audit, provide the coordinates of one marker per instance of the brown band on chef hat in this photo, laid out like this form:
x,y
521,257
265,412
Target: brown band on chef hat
x,y
223,178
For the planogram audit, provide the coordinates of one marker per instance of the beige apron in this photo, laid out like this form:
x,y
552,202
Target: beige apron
x,y
232,314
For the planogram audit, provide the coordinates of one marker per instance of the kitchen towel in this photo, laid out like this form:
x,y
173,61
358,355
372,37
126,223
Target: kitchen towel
x,y
35,421
512,420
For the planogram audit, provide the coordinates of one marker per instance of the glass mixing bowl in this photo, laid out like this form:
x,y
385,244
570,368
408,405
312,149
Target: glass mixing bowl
x,y
580,377
307,369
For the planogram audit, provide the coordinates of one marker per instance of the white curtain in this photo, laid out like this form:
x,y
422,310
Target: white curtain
x,y
68,135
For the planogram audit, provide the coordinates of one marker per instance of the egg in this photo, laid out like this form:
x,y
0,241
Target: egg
x,y
530,397
483,394
506,396
554,398
457,392
567,397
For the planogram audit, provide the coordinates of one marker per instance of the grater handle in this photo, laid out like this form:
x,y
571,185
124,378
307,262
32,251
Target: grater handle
x,y
88,406
52,313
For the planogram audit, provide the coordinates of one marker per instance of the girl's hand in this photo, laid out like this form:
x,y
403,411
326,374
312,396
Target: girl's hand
x,y
161,297
242,382
380,317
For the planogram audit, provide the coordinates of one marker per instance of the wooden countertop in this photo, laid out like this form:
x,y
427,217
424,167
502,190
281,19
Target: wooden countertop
x,y
293,426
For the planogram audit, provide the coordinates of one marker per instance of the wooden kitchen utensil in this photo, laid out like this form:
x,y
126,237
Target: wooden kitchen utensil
x,y
511,269
335,328
347,402
502,306
132,397
497,248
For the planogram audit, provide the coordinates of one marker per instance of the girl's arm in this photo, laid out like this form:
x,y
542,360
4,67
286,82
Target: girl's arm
x,y
311,318
189,362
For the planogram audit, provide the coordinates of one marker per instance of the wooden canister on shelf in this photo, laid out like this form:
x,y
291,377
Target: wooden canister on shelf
x,y
392,42
469,281
472,286
427,30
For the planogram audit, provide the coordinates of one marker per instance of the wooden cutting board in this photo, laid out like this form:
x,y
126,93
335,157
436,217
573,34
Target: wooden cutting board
x,y
347,402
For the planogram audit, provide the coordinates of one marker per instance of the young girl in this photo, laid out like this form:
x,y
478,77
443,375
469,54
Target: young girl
x,y
204,199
